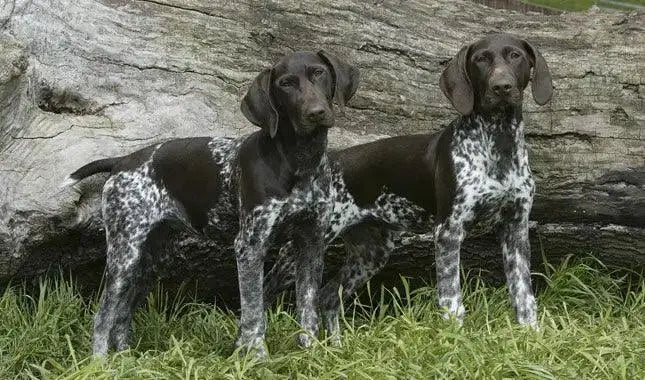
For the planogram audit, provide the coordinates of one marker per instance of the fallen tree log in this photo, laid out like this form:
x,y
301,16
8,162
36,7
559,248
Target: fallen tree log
x,y
85,79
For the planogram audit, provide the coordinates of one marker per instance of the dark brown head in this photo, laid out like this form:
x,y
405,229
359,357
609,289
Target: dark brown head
x,y
298,91
492,74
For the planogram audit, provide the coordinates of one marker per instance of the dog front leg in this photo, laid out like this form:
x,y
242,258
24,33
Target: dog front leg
x,y
516,251
309,248
448,238
250,268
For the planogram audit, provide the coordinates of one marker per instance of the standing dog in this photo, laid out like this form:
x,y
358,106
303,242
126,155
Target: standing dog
x,y
277,182
474,173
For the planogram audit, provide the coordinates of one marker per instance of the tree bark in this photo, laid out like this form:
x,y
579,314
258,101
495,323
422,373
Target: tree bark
x,y
86,79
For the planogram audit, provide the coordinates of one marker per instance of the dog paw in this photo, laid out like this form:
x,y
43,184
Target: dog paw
x,y
332,327
255,347
305,340
335,340
531,324
456,315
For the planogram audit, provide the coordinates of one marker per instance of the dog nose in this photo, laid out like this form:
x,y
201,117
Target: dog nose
x,y
316,113
501,87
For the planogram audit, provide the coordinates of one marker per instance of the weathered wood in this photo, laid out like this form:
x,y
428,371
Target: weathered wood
x,y
85,79
518,5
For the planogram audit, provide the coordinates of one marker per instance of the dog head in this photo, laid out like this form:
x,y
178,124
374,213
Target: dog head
x,y
298,92
492,74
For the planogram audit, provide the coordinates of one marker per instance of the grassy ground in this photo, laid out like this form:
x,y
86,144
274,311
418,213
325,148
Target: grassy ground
x,y
581,5
592,326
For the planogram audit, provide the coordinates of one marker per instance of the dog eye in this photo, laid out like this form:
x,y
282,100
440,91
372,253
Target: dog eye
x,y
287,82
317,72
481,59
515,55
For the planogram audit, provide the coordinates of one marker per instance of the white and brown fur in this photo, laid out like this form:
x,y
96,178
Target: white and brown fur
x,y
474,174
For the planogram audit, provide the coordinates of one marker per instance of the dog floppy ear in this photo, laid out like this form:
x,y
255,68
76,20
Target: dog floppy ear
x,y
346,78
541,83
257,105
456,85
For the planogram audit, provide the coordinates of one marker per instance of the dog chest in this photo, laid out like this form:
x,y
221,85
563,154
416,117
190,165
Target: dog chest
x,y
325,199
492,173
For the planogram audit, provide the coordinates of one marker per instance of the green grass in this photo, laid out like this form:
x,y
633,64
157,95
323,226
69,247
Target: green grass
x,y
579,5
592,326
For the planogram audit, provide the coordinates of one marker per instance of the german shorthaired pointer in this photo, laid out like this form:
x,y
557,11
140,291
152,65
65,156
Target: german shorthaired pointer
x,y
474,174
277,182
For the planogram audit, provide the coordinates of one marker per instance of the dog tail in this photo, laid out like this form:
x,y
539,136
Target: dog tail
x,y
98,166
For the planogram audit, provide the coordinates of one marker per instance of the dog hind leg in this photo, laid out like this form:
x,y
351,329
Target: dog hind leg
x,y
281,276
113,320
448,239
368,249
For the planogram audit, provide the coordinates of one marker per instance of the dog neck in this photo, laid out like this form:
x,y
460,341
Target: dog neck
x,y
499,134
505,115
303,154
